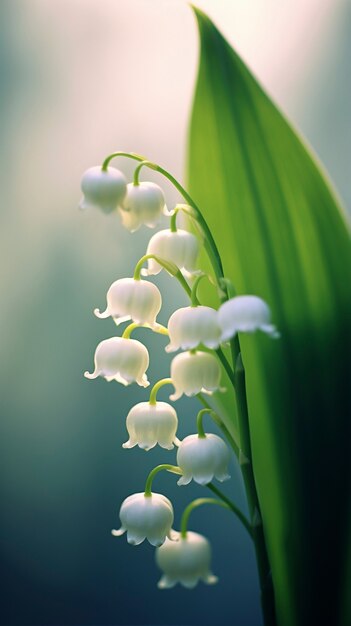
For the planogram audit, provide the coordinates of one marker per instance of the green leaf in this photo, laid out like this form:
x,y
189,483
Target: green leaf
x,y
282,236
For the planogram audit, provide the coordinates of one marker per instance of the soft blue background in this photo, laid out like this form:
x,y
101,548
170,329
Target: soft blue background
x,y
67,102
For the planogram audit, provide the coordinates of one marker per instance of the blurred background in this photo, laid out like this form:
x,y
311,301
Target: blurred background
x,y
80,79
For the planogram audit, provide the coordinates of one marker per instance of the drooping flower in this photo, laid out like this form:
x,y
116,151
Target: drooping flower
x,y
123,360
185,561
203,458
180,248
245,314
146,517
143,204
195,372
151,424
137,300
104,189
191,326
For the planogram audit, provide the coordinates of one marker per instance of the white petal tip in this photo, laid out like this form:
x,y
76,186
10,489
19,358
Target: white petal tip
x,y
171,348
211,579
184,480
143,383
118,533
223,478
102,315
271,330
164,583
175,396
128,445
90,376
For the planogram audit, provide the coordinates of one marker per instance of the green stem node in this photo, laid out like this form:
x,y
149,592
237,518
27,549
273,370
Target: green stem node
x,y
193,505
199,421
193,297
158,328
217,420
240,515
129,155
156,387
159,468
171,268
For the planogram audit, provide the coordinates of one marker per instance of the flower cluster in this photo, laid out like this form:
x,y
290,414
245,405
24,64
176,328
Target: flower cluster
x,y
201,333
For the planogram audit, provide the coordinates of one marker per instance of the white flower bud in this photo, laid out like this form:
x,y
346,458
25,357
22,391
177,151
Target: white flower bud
x,y
146,517
143,204
149,424
185,561
245,314
137,300
193,373
180,248
202,459
189,327
103,189
123,360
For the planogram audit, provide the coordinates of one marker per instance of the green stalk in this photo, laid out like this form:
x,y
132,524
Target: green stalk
x,y
264,570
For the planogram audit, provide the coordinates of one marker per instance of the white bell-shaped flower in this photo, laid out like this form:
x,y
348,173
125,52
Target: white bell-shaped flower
x,y
193,373
146,517
151,424
245,314
123,360
143,204
185,561
104,189
180,248
203,458
137,300
191,326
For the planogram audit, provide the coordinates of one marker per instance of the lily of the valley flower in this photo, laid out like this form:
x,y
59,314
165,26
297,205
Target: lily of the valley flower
x,y
104,189
191,326
149,424
185,561
245,314
123,360
202,458
195,372
180,248
137,300
146,517
143,204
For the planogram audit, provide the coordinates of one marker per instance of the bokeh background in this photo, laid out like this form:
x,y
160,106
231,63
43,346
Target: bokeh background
x,y
80,79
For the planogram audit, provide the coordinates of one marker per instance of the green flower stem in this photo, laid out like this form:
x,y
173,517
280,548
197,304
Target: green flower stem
x,y
240,515
217,420
193,505
226,365
130,155
161,330
264,570
199,422
173,221
159,468
156,387
193,297
167,265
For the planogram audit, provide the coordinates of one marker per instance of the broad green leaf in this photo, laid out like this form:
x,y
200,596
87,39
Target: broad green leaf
x,y
282,236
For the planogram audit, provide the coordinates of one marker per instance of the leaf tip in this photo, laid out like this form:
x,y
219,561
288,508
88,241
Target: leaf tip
x,y
199,14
